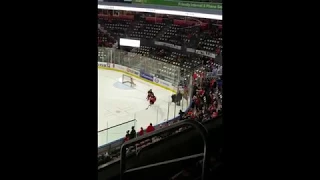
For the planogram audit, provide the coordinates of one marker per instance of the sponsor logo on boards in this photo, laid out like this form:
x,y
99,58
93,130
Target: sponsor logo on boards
x,y
146,76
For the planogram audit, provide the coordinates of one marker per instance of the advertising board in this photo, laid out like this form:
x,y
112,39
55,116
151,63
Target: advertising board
x,y
119,67
146,76
162,82
141,74
132,71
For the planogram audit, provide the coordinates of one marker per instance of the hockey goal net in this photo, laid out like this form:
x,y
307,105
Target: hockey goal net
x,y
127,80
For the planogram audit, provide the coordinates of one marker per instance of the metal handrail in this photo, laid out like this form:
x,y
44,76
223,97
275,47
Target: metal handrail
x,y
197,125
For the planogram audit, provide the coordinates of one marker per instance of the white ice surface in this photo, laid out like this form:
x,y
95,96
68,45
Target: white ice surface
x,y
118,103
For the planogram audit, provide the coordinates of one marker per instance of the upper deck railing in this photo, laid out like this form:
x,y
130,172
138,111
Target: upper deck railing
x,y
195,124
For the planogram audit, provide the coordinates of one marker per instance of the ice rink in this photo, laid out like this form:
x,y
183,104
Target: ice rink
x,y
119,103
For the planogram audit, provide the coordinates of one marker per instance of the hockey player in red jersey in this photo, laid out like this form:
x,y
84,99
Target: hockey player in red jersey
x,y
152,100
150,93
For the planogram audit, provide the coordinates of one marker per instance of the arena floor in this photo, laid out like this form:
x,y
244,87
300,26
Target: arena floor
x,y
119,103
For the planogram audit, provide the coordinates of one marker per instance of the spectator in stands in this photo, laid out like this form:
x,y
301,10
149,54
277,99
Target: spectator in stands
x,y
219,84
166,124
141,132
212,84
214,114
192,113
179,98
150,128
181,114
127,137
133,133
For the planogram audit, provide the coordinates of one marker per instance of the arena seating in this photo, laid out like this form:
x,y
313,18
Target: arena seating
x,y
177,34
170,30
194,33
211,39
146,30
105,39
116,27
143,50
171,57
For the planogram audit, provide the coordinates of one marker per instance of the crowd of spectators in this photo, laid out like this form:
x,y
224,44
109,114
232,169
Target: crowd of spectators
x,y
205,101
132,134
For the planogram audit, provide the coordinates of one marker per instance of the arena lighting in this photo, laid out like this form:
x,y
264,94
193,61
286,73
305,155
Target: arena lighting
x,y
162,11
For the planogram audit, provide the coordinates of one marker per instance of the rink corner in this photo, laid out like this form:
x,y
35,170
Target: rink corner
x,y
138,77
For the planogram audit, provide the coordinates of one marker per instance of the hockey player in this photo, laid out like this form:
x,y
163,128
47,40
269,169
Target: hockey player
x,y
152,100
150,93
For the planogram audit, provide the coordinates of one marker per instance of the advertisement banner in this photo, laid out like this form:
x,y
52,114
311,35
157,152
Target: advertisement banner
x,y
102,64
119,67
205,53
162,82
206,5
146,76
132,71
191,50
167,45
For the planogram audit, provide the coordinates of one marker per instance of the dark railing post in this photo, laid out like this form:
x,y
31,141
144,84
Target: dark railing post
x,y
198,126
